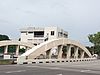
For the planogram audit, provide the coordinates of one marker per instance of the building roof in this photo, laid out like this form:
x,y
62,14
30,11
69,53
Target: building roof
x,y
32,29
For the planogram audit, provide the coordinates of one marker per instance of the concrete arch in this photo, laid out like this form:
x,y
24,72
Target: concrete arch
x,y
16,52
10,42
40,49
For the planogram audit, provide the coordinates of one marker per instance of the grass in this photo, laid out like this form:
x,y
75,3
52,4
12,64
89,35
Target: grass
x,y
6,62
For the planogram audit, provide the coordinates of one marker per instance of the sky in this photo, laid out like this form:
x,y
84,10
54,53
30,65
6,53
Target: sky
x,y
79,17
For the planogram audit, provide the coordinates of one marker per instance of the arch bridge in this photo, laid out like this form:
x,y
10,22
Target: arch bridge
x,y
7,43
65,49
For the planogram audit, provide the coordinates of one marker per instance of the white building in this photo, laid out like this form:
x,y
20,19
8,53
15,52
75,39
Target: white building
x,y
37,35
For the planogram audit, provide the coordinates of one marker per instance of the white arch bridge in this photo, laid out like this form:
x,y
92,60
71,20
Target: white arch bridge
x,y
66,50
7,43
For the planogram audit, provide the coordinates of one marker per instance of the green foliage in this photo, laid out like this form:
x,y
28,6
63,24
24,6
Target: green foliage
x,y
95,40
11,48
1,49
6,62
4,37
91,49
22,50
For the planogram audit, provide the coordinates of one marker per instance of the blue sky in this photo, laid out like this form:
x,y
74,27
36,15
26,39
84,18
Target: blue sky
x,y
79,17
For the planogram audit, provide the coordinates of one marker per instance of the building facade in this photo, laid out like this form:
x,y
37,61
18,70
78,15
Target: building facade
x,y
37,35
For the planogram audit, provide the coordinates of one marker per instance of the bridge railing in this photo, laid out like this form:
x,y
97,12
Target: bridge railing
x,y
37,61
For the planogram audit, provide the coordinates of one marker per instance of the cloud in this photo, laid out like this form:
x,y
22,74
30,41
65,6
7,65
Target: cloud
x,y
3,21
25,11
78,17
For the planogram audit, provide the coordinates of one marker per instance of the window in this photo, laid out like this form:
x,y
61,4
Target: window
x,y
30,39
35,44
30,32
39,34
65,35
24,32
52,32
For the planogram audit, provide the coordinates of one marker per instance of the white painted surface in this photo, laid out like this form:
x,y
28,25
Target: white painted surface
x,y
6,56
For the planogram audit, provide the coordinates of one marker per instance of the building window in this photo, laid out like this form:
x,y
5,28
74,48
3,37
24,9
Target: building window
x,y
52,32
65,35
39,34
24,32
30,32
30,39
35,44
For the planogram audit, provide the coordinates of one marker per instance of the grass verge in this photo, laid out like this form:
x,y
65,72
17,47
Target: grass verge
x,y
6,62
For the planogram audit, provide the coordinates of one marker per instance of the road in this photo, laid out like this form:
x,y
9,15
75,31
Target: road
x,y
76,68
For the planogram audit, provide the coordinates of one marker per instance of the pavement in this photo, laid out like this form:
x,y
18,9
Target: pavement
x,y
72,68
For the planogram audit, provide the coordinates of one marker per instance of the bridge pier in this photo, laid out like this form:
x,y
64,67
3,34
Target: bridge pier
x,y
60,52
82,54
68,51
17,50
48,54
6,50
76,52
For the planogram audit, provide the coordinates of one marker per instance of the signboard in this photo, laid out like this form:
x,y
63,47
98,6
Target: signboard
x,y
6,57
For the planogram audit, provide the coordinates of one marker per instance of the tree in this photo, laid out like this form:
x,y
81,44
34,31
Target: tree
x,y
4,37
95,40
22,50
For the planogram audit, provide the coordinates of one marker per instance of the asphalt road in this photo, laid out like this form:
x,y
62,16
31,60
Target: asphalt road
x,y
80,68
